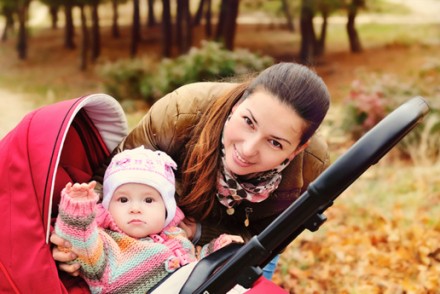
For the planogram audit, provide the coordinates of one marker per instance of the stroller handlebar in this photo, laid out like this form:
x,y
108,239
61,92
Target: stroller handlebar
x,y
307,211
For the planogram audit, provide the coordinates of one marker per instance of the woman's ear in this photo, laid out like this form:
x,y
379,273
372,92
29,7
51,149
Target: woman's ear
x,y
299,149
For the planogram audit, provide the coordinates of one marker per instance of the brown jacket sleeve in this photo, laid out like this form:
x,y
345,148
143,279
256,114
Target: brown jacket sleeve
x,y
167,125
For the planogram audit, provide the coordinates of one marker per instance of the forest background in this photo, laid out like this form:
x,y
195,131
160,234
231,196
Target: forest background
x,y
383,233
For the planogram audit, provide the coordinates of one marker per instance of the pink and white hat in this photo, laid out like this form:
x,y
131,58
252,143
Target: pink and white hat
x,y
142,166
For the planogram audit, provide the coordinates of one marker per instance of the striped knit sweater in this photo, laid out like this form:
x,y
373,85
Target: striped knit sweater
x,y
111,261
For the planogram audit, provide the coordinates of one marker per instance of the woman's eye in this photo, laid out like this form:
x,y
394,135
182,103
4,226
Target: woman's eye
x,y
276,144
248,121
149,200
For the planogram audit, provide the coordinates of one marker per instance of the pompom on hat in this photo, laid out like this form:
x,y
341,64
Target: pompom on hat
x,y
142,166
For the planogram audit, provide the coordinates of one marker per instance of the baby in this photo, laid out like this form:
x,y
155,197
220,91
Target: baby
x,y
131,241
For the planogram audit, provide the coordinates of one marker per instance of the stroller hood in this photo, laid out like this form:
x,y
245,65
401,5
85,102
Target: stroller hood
x,y
52,145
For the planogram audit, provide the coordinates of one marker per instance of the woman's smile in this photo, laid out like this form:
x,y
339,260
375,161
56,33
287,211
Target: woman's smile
x,y
240,160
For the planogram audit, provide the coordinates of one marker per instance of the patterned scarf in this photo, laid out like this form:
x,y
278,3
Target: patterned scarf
x,y
232,190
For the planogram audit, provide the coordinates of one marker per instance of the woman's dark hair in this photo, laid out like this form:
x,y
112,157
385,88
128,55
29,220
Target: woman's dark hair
x,y
295,85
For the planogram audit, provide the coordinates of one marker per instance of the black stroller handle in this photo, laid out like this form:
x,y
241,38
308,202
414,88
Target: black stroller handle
x,y
307,212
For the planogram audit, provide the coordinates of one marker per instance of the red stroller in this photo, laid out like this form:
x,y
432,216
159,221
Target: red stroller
x,y
52,145
48,148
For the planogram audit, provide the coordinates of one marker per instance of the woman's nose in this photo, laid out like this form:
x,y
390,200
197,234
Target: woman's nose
x,y
250,147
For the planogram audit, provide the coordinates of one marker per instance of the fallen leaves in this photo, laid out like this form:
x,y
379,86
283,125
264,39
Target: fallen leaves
x,y
370,245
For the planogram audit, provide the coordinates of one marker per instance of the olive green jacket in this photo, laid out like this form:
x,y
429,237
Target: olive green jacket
x,y
167,126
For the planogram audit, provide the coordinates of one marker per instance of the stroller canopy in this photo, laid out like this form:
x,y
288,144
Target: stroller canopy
x,y
51,146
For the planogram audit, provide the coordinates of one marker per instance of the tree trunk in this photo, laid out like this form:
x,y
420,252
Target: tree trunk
x,y
221,20
184,28
69,26
96,36
289,18
115,25
85,39
208,19
135,29
307,50
151,18
353,37
9,24
22,31
53,10
167,30
199,14
228,26
320,43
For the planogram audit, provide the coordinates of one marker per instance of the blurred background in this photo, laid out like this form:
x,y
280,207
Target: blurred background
x,y
383,233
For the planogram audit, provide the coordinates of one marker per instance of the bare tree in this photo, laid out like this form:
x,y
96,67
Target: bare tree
x,y
183,26
96,36
85,38
167,30
289,18
8,13
204,9
69,27
151,22
325,8
227,24
353,36
307,51
53,10
135,29
22,41
199,14
116,33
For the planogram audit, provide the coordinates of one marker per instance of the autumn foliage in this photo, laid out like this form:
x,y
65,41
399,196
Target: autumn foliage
x,y
382,236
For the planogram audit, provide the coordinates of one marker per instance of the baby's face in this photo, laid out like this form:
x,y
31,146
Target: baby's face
x,y
138,210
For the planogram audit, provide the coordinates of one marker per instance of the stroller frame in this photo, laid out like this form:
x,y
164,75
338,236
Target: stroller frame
x,y
244,266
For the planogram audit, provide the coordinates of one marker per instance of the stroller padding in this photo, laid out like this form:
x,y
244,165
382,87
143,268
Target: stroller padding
x,y
52,145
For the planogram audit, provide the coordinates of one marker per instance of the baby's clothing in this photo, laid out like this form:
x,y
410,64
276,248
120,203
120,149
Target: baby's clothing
x,y
113,262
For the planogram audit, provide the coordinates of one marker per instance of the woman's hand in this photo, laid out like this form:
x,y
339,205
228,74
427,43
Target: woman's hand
x,y
62,252
226,239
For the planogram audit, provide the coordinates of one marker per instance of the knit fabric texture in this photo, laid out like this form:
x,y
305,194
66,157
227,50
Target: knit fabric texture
x,y
111,261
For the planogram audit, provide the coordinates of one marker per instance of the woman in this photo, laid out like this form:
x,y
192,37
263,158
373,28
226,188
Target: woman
x,y
244,151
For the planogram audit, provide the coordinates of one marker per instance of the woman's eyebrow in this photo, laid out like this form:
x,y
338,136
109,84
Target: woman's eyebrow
x,y
282,139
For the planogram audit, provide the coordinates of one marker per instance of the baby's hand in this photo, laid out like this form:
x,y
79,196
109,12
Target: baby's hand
x,y
84,190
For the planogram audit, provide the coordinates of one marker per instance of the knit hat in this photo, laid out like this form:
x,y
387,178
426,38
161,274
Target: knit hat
x,y
142,166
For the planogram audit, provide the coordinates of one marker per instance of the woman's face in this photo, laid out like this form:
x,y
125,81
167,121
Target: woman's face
x,y
261,133
138,210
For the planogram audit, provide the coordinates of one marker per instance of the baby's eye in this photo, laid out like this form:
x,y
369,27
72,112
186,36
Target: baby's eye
x,y
149,200
123,199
